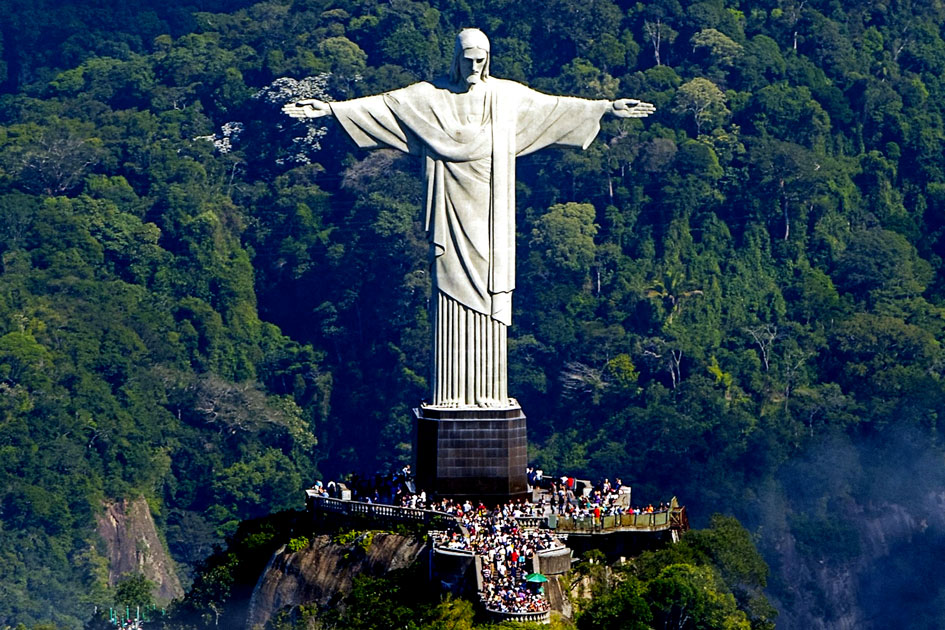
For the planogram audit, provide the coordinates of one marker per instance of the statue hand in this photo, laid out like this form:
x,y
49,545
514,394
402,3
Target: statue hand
x,y
632,108
307,108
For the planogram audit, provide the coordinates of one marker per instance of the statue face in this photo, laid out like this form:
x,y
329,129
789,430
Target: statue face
x,y
472,63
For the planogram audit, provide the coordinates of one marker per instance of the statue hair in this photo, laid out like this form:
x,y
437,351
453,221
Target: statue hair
x,y
469,38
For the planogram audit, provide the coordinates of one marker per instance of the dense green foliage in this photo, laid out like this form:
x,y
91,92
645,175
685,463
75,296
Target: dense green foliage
x,y
204,303
713,578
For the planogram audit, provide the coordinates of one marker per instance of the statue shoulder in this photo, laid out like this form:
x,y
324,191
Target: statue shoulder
x,y
514,92
419,90
413,88
507,85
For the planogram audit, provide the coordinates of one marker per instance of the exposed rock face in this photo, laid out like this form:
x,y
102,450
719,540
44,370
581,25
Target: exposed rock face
x,y
324,572
558,597
133,546
827,594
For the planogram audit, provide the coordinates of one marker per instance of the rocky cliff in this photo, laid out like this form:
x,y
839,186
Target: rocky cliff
x,y
132,545
897,549
324,572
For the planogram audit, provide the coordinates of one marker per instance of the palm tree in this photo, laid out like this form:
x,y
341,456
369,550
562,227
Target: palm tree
x,y
669,290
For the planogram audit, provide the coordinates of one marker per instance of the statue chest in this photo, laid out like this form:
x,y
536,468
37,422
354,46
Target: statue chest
x,y
471,113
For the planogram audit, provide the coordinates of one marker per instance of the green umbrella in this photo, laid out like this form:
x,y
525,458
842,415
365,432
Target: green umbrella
x,y
535,577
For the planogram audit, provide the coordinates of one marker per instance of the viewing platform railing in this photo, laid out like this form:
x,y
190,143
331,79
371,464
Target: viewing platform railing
x,y
380,512
673,518
543,617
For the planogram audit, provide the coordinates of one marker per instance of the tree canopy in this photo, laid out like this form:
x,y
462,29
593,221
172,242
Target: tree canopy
x,y
208,304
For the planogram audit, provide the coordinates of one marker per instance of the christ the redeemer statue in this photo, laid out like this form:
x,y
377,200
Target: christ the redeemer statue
x,y
468,129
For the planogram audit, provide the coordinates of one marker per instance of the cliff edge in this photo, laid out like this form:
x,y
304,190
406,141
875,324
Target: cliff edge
x,y
324,572
132,545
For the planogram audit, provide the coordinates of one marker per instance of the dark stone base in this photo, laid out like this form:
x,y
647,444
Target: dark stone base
x,y
472,453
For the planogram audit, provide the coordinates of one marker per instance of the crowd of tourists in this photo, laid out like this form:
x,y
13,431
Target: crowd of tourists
x,y
384,488
495,535
571,498
504,546
564,496
505,549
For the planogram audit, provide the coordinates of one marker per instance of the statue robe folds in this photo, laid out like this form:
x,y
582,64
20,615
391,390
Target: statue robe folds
x,y
469,170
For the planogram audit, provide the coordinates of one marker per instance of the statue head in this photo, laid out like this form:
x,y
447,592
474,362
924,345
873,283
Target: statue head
x,y
470,57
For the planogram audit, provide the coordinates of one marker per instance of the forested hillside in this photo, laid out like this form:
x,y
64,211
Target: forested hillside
x,y
738,300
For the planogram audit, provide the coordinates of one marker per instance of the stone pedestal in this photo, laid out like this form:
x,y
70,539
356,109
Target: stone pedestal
x,y
475,453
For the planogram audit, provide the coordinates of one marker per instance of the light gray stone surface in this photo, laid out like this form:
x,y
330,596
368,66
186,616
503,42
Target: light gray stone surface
x,y
468,129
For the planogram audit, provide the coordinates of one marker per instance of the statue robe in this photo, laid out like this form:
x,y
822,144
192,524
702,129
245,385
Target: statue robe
x,y
469,170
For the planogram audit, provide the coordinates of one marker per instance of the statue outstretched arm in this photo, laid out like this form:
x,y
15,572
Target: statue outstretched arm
x,y
307,108
631,108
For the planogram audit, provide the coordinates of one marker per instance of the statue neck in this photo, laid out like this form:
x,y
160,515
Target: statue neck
x,y
464,88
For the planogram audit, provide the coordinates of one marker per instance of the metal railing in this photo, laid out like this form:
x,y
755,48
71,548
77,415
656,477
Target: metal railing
x,y
673,518
375,511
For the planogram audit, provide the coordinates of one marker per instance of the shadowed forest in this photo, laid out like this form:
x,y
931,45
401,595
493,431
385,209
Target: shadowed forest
x,y
739,300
